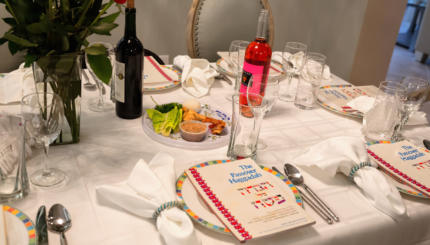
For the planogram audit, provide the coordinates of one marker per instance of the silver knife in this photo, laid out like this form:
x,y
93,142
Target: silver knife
x,y
41,226
310,202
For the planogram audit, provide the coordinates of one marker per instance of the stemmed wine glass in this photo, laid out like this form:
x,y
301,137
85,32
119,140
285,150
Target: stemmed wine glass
x,y
417,90
102,102
237,56
43,114
293,60
271,95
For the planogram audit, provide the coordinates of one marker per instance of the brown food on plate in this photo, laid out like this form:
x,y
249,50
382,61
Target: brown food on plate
x,y
216,126
194,127
191,115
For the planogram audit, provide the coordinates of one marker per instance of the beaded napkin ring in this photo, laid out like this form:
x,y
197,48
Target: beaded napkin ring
x,y
357,167
165,206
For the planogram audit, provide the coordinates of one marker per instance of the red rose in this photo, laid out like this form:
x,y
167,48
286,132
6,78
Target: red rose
x,y
120,1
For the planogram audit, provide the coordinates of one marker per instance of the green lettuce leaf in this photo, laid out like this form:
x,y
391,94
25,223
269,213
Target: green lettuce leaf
x,y
157,118
170,121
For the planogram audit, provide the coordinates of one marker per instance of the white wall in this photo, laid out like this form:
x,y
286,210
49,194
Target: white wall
x,y
328,26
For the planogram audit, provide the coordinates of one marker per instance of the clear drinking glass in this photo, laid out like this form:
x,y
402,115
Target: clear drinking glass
x,y
237,57
382,119
271,95
310,80
43,114
102,103
417,90
293,59
13,172
246,124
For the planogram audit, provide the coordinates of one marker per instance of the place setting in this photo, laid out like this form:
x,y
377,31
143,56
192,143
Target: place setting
x,y
252,143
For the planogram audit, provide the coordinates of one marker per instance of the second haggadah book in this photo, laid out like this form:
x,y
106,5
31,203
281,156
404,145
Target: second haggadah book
x,y
251,202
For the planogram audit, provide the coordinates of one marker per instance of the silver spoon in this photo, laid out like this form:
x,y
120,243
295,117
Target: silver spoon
x,y
59,221
296,177
311,204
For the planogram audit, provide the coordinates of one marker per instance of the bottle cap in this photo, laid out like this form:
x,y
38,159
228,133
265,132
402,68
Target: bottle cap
x,y
130,4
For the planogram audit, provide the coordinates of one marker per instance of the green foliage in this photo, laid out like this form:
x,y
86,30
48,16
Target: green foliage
x,y
164,108
54,27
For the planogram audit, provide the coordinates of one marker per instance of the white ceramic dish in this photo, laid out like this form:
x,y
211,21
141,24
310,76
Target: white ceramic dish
x,y
175,140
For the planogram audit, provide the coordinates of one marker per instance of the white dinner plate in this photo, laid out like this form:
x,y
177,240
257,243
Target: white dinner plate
x,y
336,97
275,69
175,140
19,227
175,76
199,211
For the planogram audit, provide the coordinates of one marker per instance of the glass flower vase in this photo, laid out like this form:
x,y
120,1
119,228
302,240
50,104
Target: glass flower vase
x,y
61,74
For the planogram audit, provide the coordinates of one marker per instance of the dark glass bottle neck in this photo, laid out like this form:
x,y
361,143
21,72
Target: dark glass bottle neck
x,y
130,22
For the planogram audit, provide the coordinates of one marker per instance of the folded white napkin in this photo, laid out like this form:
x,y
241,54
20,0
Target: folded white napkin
x,y
197,75
348,156
15,84
148,187
364,104
277,56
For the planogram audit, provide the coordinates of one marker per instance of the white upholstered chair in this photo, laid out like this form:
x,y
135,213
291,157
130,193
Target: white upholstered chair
x,y
213,24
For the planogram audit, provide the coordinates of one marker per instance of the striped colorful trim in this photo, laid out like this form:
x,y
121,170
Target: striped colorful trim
x,y
26,221
174,83
165,206
180,181
157,66
357,167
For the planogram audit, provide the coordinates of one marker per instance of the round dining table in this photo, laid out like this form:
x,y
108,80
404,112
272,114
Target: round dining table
x,y
110,147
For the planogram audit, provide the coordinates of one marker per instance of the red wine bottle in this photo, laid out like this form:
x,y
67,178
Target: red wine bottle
x,y
257,61
129,69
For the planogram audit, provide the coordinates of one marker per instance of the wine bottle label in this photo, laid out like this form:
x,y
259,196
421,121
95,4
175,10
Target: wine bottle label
x,y
119,81
251,77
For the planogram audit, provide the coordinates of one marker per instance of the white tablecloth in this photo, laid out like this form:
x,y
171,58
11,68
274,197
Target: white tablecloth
x,y
110,147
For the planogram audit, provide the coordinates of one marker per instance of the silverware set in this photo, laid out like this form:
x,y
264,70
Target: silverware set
x,y
310,197
58,220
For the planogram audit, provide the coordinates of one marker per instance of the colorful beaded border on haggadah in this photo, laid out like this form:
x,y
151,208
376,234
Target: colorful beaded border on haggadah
x,y
414,193
26,221
172,85
181,179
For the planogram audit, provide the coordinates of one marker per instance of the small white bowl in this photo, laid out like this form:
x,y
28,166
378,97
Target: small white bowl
x,y
193,135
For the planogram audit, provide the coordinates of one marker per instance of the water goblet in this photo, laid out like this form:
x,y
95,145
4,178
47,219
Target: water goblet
x,y
417,90
293,60
43,114
102,103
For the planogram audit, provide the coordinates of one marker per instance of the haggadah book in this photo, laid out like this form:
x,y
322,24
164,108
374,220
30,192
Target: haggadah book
x,y
249,201
406,162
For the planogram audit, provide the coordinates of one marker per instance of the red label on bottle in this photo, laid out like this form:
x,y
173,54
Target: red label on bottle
x,y
252,76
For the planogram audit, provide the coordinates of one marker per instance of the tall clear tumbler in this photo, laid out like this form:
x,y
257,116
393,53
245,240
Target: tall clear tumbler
x,y
380,122
237,57
13,172
310,80
293,60
246,124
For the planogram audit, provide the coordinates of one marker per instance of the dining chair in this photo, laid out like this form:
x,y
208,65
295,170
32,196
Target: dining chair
x,y
213,24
